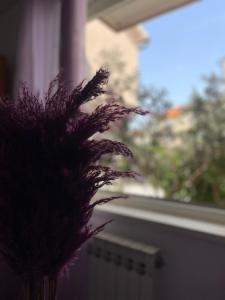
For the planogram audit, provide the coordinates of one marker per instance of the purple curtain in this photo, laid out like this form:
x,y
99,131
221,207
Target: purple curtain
x,y
72,52
38,46
52,37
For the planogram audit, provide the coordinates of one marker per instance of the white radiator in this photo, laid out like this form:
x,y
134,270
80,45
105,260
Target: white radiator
x,y
120,269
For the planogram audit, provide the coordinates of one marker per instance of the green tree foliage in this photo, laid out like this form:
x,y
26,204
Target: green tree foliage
x,y
188,165
194,168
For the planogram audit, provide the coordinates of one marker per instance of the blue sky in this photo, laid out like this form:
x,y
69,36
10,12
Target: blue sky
x,y
186,44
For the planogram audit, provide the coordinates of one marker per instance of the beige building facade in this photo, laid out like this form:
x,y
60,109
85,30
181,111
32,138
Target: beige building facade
x,y
117,51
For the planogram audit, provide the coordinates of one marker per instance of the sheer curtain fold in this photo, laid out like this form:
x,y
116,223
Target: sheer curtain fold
x,y
38,46
52,38
72,46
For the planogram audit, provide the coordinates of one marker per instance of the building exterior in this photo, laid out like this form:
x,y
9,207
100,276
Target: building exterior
x,y
118,51
174,123
223,67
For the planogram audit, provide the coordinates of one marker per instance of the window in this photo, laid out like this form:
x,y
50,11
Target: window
x,y
179,76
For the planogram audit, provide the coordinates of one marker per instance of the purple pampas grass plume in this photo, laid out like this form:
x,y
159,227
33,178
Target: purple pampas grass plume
x,y
49,172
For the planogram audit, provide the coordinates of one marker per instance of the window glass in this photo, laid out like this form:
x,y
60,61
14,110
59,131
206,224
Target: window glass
x,y
174,66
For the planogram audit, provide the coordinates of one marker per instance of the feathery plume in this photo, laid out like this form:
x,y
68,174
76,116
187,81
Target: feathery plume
x,y
49,172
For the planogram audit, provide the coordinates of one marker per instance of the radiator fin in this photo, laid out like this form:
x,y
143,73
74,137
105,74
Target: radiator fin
x,y
120,269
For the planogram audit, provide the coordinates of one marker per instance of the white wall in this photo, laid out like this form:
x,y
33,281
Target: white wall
x,y
194,262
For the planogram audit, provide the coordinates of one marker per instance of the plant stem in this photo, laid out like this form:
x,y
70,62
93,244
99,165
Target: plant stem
x,y
39,288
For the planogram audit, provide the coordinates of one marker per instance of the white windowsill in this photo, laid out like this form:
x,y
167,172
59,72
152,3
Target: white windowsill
x,y
191,217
